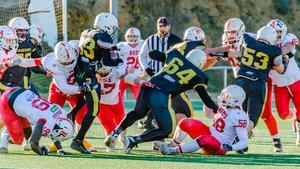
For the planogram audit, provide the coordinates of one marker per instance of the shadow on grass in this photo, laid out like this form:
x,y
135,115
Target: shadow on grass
x,y
248,159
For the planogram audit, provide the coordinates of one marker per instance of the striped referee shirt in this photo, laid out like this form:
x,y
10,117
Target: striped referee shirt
x,y
155,42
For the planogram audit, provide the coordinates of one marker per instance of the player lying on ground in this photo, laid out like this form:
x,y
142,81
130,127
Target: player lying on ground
x,y
179,74
19,108
218,138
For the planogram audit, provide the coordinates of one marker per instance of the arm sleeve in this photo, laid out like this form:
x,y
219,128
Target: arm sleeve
x,y
30,62
143,55
200,89
63,85
39,70
243,137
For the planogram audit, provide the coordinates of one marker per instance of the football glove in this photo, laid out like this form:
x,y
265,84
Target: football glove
x,y
226,147
85,87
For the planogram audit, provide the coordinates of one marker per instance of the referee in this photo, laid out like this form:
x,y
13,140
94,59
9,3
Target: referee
x,y
162,41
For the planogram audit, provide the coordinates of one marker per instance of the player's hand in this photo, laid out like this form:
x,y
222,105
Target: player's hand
x,y
85,87
226,147
44,150
221,110
147,83
149,71
63,152
235,54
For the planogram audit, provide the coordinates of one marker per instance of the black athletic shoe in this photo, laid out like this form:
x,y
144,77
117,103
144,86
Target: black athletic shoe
x,y
277,145
78,146
130,144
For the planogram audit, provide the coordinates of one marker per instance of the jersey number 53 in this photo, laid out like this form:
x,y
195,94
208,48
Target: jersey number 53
x,y
249,56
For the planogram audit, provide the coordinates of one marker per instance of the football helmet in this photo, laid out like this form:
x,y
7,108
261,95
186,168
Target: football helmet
x,y
268,34
65,55
132,36
197,57
232,96
234,29
75,44
280,28
8,38
63,130
21,26
107,22
194,34
36,33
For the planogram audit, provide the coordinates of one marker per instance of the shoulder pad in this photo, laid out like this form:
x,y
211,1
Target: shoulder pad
x,y
292,38
48,63
253,35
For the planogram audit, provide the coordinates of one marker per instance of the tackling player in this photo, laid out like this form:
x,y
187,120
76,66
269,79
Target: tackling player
x,y
216,139
21,107
179,74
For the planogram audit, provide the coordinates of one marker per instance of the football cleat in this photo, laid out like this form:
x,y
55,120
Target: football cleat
x,y
130,144
110,139
89,146
4,142
26,146
277,145
166,150
78,146
111,148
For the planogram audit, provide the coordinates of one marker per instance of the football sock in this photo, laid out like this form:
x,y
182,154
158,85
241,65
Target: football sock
x,y
271,124
188,147
86,124
178,137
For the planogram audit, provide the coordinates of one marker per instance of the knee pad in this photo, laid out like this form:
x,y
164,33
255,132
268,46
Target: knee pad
x,y
185,124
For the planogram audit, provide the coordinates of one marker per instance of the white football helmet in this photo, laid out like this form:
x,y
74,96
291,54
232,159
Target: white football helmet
x,y
75,44
8,38
280,27
197,57
194,34
107,22
232,96
36,33
132,36
65,55
63,130
267,34
21,26
234,29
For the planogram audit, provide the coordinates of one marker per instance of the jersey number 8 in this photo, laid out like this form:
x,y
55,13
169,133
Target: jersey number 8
x,y
185,75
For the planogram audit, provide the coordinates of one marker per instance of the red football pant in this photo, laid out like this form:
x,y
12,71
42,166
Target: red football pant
x,y
13,123
58,97
135,89
282,98
110,116
267,114
199,131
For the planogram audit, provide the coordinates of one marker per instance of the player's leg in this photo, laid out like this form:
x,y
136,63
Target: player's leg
x,y
105,118
182,106
123,87
269,119
135,89
295,91
282,100
118,116
92,100
140,111
56,96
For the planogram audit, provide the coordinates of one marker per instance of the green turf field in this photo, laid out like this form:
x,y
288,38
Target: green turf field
x,y
260,155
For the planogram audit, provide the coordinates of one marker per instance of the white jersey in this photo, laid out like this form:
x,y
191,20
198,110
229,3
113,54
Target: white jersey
x,y
292,73
235,63
130,56
63,79
6,56
34,109
110,85
224,127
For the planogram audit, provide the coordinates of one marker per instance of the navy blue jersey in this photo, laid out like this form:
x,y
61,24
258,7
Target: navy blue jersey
x,y
94,43
185,47
257,58
178,74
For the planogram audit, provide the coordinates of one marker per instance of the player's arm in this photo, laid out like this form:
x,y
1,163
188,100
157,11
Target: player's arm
x,y
242,134
143,55
280,64
200,89
35,139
